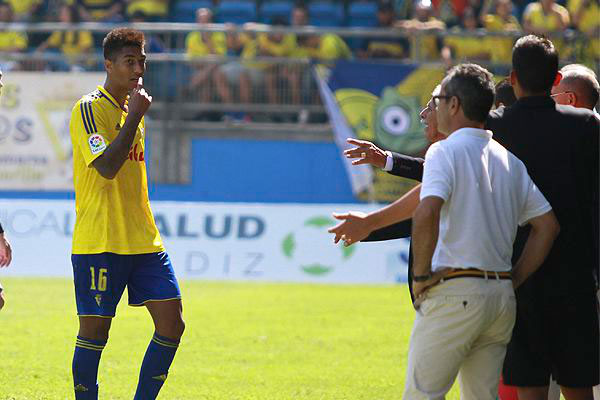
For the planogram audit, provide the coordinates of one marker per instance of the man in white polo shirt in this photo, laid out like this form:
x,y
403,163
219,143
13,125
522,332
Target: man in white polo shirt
x,y
474,195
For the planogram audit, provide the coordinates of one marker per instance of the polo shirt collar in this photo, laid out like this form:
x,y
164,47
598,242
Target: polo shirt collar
x,y
482,133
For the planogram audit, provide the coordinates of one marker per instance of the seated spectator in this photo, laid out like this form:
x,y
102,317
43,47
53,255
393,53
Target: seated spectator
x,y
585,16
154,10
462,48
154,44
26,10
501,21
297,75
99,10
505,95
200,45
10,41
385,47
73,44
549,19
545,18
275,45
234,73
423,29
326,48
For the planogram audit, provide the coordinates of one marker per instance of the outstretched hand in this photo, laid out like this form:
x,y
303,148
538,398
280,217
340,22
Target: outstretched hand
x,y
354,227
5,251
366,153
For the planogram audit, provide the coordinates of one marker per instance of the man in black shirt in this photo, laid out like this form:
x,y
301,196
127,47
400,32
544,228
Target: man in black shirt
x,y
556,332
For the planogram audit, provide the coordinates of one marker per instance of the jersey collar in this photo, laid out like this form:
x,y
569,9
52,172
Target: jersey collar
x,y
104,93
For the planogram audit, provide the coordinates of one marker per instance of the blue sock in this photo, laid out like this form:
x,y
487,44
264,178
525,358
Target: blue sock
x,y
155,367
85,367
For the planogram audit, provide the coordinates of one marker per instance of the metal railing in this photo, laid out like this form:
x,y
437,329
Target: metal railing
x,y
227,96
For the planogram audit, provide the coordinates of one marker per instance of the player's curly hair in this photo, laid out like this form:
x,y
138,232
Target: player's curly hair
x,y
119,38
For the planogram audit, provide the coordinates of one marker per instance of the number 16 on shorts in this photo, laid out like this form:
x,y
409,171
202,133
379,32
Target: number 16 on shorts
x,y
98,279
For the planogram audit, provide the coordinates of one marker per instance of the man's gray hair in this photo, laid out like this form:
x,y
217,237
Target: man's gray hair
x,y
583,81
474,87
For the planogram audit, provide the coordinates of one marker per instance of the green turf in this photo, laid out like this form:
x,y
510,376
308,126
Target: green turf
x,y
243,341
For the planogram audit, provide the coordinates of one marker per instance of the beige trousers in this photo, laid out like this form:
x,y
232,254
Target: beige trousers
x,y
461,328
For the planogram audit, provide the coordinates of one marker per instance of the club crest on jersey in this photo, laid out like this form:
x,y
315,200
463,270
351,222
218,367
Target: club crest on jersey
x,y
97,143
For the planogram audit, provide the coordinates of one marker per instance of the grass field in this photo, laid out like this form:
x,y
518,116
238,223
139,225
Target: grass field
x,y
243,341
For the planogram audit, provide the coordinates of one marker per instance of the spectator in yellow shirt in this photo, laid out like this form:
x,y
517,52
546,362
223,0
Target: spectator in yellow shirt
x,y
154,10
10,41
99,10
585,15
327,48
466,48
385,47
501,21
549,19
278,45
26,10
202,45
423,29
73,44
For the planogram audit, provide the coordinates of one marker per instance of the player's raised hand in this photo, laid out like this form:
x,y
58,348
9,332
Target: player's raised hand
x,y
139,100
5,251
353,228
366,153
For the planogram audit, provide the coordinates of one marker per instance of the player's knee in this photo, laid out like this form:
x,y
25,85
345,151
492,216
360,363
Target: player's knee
x,y
1,301
94,328
179,327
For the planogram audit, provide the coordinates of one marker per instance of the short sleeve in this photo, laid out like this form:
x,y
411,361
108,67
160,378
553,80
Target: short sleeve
x,y
88,131
438,174
535,203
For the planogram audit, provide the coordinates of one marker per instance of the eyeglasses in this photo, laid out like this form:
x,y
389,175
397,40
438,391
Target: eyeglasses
x,y
436,99
558,94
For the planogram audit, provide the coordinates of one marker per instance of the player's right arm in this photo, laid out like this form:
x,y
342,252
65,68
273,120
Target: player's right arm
x,y
112,159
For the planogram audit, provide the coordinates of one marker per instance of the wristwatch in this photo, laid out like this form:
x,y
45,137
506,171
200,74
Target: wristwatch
x,y
422,278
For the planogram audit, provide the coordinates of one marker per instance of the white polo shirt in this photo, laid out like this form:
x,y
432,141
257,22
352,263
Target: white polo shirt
x,y
487,193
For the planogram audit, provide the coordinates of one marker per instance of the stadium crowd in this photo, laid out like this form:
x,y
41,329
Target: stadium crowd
x,y
465,24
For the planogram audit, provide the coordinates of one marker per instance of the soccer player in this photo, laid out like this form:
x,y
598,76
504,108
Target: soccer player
x,y
5,250
115,241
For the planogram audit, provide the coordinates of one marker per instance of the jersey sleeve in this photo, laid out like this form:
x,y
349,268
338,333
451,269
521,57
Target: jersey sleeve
x,y
88,130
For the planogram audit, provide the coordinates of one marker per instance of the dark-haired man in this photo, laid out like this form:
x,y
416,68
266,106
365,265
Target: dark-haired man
x,y
474,195
556,331
5,249
505,95
115,241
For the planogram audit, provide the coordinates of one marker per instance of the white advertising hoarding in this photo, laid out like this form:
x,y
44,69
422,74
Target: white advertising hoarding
x,y
216,241
35,146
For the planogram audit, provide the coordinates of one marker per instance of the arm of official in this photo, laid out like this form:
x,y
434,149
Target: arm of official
x,y
113,157
356,226
397,164
544,229
538,213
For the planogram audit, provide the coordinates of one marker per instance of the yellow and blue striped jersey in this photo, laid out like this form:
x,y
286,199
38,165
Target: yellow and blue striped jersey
x,y
112,215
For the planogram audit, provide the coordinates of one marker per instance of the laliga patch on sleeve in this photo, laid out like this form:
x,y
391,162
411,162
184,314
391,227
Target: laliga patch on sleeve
x,y
97,144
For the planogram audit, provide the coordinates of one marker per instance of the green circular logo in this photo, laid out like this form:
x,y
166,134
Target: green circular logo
x,y
311,247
